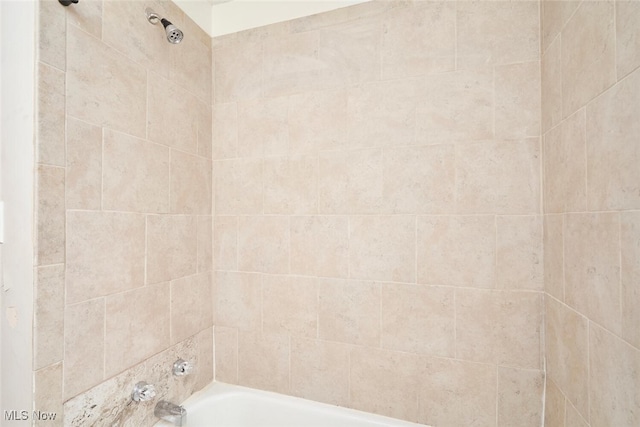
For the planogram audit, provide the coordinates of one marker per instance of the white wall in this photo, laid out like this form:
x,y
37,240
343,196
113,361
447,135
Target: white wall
x,y
198,10
241,15
17,87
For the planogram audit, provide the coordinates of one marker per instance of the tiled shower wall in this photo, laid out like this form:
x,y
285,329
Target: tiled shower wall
x,y
124,259
590,119
377,210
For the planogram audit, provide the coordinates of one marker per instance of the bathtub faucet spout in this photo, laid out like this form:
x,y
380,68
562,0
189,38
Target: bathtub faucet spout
x,y
172,413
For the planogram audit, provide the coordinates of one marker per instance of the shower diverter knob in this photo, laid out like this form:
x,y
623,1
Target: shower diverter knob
x,y
182,367
143,392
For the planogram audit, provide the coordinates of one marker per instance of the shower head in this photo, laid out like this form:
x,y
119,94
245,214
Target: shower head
x,y
174,34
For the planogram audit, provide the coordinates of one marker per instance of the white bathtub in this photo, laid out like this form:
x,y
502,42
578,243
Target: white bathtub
x,y
224,405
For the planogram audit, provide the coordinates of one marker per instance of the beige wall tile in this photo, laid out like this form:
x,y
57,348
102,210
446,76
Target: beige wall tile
x,y
320,245
110,401
205,130
263,361
503,327
239,300
565,169
320,20
551,85
382,248
290,305
519,252
263,244
52,40
418,319
129,337
614,373
48,318
419,39
517,98
205,362
47,395
50,215
372,123
317,121
512,188
226,354
171,247
457,251
172,119
630,250
519,396
135,174
592,266
349,52
105,254
627,36
320,370
238,186
554,15
84,166
419,179
196,31
88,17
191,67
225,243
190,184
238,72
191,306
554,256
588,54
497,33
456,106
262,127
573,418
567,352
349,311
144,44
260,33
612,150
103,86
384,382
225,131
350,182
291,185
84,346
50,117
291,64
456,393
205,244
554,405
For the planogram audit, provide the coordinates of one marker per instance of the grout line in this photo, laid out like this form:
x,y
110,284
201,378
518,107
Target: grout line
x,y
588,371
564,280
497,395
104,338
620,287
102,143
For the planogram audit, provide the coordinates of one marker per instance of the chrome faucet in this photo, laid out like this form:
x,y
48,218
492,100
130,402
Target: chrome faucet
x,y
169,412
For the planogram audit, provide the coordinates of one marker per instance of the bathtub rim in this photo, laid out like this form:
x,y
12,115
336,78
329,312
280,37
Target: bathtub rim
x,y
221,388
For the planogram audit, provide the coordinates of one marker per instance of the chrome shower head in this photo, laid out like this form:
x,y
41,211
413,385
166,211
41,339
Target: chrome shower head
x,y
174,34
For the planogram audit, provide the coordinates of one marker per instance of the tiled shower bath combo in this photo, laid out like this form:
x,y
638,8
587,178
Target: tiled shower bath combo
x,y
426,210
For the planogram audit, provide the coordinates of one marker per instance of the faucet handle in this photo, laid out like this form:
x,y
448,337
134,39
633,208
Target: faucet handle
x,y
143,392
181,367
